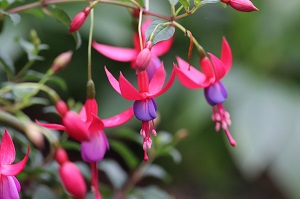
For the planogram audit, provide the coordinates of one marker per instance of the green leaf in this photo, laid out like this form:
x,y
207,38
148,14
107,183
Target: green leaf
x,y
156,171
7,63
43,192
127,134
125,153
186,4
114,172
151,192
15,18
31,49
173,2
159,30
62,17
58,81
70,145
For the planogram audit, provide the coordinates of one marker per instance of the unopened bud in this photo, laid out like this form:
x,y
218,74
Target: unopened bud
x,y
241,5
181,134
61,156
61,61
79,20
143,58
72,180
61,107
34,134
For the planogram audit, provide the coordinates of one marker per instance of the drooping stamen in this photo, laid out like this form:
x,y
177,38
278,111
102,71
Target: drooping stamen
x,y
222,119
147,127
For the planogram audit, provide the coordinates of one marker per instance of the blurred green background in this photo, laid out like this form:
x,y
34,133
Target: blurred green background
x,y
263,87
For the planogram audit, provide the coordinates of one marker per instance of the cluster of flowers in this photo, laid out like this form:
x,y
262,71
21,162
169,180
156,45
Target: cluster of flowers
x,y
88,129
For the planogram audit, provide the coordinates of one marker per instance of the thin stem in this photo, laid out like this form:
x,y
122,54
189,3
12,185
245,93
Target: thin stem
x,y
200,49
24,69
178,10
147,5
140,29
90,46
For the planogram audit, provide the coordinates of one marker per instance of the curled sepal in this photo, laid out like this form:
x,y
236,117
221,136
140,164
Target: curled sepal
x,y
14,169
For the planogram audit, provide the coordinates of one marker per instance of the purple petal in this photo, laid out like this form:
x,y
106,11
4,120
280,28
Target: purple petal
x,y
145,110
17,183
215,93
153,66
94,149
8,188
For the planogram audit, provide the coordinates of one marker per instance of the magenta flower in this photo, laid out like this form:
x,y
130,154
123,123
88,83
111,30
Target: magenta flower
x,y
88,125
241,5
10,186
215,92
144,104
79,20
130,54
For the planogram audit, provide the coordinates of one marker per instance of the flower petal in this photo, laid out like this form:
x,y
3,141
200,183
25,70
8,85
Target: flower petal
x,y
75,127
226,55
167,85
8,188
113,82
14,169
52,126
153,65
145,110
119,119
215,94
91,108
7,149
94,149
189,76
127,90
207,69
219,67
96,124
158,80
116,53
17,183
162,47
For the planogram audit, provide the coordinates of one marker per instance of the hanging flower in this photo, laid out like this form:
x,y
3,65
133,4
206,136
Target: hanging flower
x,y
9,185
144,104
88,128
130,54
214,69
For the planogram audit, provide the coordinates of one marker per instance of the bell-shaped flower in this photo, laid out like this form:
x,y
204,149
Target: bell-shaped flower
x,y
9,185
214,69
122,54
241,5
144,104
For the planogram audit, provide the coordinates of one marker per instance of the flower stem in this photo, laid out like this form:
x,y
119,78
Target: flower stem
x,y
90,46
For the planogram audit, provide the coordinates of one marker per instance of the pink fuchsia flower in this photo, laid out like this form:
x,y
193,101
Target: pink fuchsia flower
x,y
88,128
144,104
10,186
130,54
79,20
214,69
241,5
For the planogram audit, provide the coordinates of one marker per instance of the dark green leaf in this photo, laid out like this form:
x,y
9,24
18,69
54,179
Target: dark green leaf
x,y
114,172
128,134
71,145
15,18
62,17
125,153
160,31
156,171
32,76
7,63
186,4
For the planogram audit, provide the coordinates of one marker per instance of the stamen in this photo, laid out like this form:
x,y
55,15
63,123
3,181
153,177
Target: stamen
x,y
145,156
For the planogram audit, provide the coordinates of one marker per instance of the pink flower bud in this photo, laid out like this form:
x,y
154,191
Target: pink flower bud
x,y
143,58
79,19
62,108
241,5
61,61
72,180
61,156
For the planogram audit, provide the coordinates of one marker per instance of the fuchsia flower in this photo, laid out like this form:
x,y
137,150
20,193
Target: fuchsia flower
x,y
87,128
10,186
241,5
130,54
144,104
215,92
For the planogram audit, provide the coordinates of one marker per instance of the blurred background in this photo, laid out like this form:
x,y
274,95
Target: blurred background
x,y
263,87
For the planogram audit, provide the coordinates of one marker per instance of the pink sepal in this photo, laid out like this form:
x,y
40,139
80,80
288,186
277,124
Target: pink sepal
x,y
52,126
226,55
113,82
167,85
7,149
128,91
119,119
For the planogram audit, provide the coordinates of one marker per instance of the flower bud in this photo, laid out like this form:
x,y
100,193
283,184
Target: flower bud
x,y
61,156
72,180
143,58
34,134
62,108
61,61
79,19
241,5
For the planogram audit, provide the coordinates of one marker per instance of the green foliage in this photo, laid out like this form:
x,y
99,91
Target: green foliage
x,y
159,30
186,4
